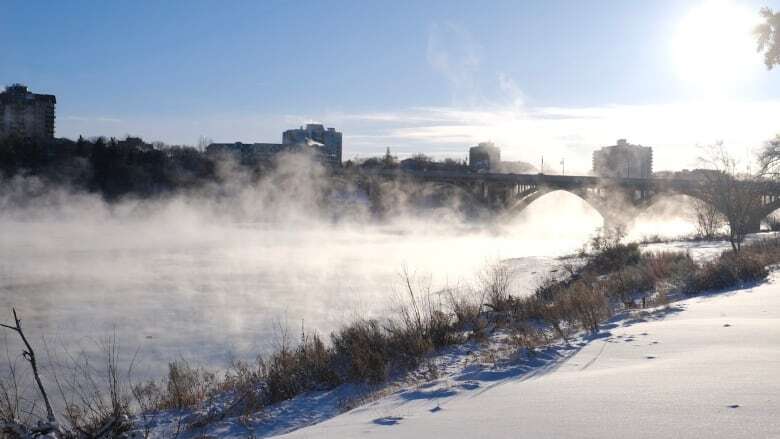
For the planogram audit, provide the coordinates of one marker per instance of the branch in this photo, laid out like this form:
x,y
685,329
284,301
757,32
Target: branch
x,y
29,355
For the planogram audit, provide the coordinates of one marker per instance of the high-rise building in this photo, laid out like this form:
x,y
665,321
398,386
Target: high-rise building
x,y
328,140
27,115
484,157
623,160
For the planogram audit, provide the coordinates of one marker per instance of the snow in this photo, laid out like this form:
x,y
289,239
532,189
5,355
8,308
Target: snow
x,y
705,367
703,250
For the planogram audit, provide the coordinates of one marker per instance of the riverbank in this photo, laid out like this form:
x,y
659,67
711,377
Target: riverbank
x,y
429,336
703,367
507,349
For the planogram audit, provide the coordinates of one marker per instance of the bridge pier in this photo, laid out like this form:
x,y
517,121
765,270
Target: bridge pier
x,y
754,226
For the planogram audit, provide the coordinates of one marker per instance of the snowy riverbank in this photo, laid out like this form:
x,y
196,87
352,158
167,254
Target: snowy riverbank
x,y
703,367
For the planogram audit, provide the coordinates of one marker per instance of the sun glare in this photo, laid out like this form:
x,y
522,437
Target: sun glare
x,y
713,46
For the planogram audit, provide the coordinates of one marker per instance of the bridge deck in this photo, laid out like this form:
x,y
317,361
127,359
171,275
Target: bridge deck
x,y
562,181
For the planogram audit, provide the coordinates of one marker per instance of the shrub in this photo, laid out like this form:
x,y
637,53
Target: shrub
x,y
613,257
465,310
728,271
528,308
557,315
496,281
526,336
767,250
187,386
588,305
360,352
291,371
668,266
439,329
406,347
646,275
626,282
608,253
550,286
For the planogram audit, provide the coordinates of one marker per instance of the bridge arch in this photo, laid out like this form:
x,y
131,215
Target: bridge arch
x,y
526,201
769,208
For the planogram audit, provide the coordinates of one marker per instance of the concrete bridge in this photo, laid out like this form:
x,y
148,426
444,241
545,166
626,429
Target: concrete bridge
x,y
618,200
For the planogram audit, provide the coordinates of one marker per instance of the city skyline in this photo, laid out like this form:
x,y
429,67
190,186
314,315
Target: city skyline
x,y
440,78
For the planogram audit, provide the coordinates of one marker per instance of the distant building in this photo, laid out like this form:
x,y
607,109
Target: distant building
x,y
484,157
25,114
328,140
623,160
312,137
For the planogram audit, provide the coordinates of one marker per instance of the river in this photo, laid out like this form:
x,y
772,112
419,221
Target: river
x,y
208,289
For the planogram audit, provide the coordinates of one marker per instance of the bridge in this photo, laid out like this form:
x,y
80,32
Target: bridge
x,y
617,200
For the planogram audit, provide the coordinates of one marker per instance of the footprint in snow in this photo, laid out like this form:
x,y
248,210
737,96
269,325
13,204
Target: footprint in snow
x,y
388,420
650,357
727,325
733,406
470,385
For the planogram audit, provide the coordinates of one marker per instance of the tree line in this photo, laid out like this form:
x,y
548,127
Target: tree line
x,y
110,167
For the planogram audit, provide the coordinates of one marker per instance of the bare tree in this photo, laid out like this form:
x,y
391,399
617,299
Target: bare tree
x,y
709,220
769,158
737,196
768,37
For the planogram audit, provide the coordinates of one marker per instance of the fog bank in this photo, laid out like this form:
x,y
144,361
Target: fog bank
x,y
210,275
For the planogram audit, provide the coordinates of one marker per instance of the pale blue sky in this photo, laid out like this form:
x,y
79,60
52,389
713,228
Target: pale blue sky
x,y
555,77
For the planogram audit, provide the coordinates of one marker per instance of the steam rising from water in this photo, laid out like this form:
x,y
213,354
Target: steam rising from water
x,y
208,275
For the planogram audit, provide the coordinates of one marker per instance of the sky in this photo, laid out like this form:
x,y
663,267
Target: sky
x,y
539,78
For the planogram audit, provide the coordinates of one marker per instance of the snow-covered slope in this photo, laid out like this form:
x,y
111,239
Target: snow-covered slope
x,y
707,367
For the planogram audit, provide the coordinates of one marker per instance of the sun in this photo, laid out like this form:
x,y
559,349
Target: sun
x,y
713,46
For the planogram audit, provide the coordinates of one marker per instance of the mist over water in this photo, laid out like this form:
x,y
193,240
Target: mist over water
x,y
210,278
670,217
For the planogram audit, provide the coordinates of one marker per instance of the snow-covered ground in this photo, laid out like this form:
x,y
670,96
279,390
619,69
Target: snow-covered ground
x,y
703,250
707,367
